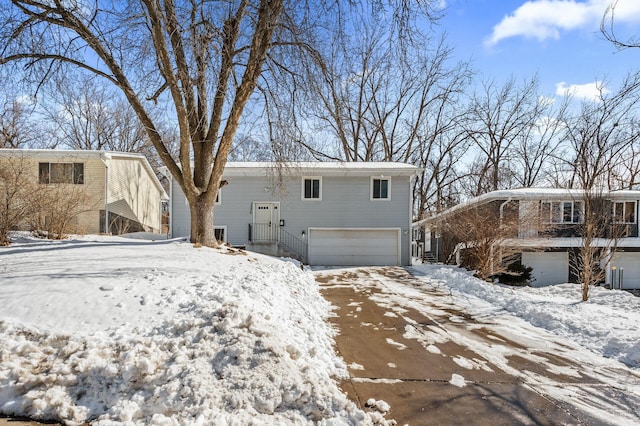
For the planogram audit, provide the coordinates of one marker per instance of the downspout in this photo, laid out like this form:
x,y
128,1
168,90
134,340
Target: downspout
x,y
502,209
170,230
608,279
411,179
106,193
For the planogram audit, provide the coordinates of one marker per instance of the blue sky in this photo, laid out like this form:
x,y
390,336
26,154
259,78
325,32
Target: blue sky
x,y
560,40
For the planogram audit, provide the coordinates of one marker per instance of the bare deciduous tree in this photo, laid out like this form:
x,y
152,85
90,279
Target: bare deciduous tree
x,y
600,133
497,118
204,59
626,174
247,148
598,238
482,234
89,115
535,148
598,138
16,131
374,92
385,99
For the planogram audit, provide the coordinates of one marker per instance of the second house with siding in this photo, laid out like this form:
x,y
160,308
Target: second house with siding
x,y
322,213
119,190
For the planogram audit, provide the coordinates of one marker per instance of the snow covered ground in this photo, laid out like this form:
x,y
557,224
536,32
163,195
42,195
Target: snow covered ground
x,y
139,332
131,331
608,323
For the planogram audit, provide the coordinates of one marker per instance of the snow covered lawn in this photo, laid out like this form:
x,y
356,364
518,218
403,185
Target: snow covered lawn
x,y
608,323
118,330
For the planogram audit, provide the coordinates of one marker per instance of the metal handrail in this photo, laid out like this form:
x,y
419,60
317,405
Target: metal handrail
x,y
267,233
294,244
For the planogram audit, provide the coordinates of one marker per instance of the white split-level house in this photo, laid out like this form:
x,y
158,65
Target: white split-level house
x,y
550,237
324,213
120,186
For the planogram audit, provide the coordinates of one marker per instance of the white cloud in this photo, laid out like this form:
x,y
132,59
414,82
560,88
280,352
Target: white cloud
x,y
547,19
626,10
588,91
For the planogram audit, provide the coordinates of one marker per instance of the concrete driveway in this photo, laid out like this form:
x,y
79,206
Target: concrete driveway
x,y
405,342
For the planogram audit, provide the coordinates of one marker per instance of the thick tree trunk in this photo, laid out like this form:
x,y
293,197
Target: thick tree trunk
x,y
202,221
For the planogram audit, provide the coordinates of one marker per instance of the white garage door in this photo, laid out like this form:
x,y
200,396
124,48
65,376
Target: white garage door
x,y
357,247
548,268
629,263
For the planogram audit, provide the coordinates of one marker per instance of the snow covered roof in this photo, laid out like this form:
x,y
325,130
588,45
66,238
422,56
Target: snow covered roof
x,y
80,153
336,168
311,168
532,194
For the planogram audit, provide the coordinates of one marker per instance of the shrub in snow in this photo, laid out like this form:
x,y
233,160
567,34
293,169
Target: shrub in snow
x,y
516,275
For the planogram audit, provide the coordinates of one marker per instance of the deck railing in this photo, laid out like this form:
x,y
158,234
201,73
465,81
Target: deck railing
x,y
564,230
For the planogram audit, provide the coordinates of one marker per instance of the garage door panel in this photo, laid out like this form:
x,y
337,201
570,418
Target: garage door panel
x,y
342,260
354,247
548,268
629,263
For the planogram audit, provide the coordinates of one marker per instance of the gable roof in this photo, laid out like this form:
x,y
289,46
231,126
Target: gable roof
x,y
80,153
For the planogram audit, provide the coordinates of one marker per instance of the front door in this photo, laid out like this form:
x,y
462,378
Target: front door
x,y
266,221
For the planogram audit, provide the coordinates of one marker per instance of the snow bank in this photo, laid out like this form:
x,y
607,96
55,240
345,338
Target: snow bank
x,y
110,330
606,324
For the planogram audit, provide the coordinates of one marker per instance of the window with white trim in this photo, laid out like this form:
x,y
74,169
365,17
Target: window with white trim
x,y
380,188
312,188
61,173
220,232
219,197
624,211
561,211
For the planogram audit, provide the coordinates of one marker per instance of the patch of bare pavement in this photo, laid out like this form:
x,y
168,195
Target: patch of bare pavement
x,y
406,343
